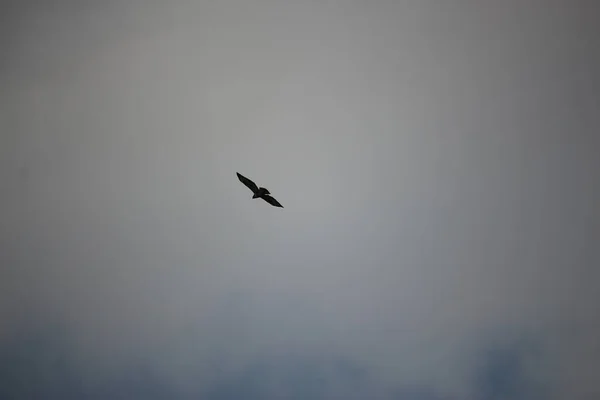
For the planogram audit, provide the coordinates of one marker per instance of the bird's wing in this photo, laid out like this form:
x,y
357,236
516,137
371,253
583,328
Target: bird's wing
x,y
251,185
271,201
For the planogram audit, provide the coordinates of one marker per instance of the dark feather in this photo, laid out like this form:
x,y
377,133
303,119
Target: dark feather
x,y
271,201
251,185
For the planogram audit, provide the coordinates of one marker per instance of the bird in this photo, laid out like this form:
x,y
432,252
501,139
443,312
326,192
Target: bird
x,y
262,192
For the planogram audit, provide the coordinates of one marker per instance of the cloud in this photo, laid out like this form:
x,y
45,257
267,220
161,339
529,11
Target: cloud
x,y
437,164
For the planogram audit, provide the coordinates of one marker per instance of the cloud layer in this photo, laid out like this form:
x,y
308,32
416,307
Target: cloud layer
x,y
437,163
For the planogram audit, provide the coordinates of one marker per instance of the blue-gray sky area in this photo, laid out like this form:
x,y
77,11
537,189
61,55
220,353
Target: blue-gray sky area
x,y
438,163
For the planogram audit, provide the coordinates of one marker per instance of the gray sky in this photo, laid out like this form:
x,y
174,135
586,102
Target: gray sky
x,y
437,161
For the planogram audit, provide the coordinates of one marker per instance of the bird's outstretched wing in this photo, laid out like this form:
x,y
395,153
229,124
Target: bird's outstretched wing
x,y
251,185
271,201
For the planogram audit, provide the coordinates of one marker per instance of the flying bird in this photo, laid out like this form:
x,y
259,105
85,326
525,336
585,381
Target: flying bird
x,y
262,192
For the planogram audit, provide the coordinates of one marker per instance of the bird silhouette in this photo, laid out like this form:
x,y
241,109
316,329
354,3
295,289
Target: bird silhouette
x,y
262,192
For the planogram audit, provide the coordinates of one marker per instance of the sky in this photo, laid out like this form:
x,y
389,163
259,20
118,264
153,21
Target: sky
x,y
438,166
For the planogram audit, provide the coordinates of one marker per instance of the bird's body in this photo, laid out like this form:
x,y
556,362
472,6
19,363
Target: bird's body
x,y
258,193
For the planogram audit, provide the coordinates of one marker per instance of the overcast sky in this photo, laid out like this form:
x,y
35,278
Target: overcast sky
x,y
438,163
